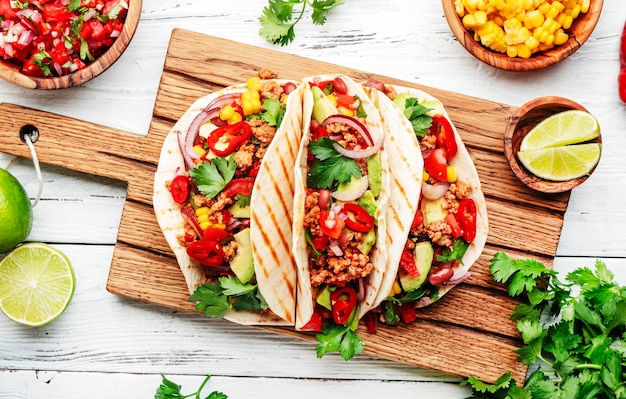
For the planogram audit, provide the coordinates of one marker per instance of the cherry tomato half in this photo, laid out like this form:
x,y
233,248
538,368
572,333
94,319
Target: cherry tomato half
x,y
331,224
242,185
436,164
407,262
466,216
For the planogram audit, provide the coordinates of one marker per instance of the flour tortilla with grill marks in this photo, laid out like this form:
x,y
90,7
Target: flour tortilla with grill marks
x,y
276,274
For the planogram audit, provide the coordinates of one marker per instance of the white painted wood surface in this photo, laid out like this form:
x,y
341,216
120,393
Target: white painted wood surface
x,y
108,346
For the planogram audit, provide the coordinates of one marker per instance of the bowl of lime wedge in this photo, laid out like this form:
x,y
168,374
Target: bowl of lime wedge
x,y
552,144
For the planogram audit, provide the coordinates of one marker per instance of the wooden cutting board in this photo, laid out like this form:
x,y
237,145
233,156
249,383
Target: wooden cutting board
x,y
467,333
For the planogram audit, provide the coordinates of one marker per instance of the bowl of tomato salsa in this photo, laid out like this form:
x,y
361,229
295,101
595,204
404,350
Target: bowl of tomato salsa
x,y
55,44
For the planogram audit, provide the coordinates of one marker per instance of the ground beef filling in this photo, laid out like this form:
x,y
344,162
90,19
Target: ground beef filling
x,y
328,268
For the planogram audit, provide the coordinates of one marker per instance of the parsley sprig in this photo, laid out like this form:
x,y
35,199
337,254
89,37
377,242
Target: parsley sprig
x,y
170,390
573,331
215,299
211,177
330,167
280,17
339,338
417,114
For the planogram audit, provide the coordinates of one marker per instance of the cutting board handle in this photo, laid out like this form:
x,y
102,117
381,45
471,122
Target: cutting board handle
x,y
81,146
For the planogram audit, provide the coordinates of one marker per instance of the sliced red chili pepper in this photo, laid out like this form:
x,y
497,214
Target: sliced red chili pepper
x,y
331,224
242,185
445,136
466,216
407,262
226,139
358,219
455,226
342,302
179,187
407,313
436,164
215,234
208,253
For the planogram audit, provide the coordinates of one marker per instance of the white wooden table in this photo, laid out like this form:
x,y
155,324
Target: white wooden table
x,y
108,346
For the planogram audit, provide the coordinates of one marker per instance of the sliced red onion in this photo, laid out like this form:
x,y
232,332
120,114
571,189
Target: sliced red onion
x,y
188,158
424,301
324,199
191,219
353,123
333,245
209,112
435,191
26,37
458,280
356,191
360,153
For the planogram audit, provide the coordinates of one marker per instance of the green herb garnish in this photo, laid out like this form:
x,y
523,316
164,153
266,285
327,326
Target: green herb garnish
x,y
280,16
330,167
211,177
170,390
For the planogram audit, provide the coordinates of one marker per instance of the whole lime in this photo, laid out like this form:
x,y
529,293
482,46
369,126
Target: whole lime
x,y
16,212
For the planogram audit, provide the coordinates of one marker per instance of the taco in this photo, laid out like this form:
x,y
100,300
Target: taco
x,y
223,197
339,206
449,229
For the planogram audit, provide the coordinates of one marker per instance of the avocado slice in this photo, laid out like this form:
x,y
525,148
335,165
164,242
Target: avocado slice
x,y
433,210
323,298
423,255
239,211
242,264
368,242
322,106
368,202
375,173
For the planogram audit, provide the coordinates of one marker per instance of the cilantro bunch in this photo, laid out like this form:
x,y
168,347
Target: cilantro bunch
x,y
280,17
214,299
574,332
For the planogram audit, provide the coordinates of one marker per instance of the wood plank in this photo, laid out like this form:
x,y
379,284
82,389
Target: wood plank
x,y
466,333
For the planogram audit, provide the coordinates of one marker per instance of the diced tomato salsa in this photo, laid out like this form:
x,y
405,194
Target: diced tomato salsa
x,y
57,37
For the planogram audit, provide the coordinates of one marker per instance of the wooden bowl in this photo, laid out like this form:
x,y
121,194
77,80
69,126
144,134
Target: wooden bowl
x,y
578,33
520,123
10,71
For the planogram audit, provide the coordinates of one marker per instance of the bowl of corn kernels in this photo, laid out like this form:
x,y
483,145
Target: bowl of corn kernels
x,y
522,35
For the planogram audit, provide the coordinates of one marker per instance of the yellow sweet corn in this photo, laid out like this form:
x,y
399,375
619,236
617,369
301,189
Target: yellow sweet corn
x,y
452,173
199,150
395,289
345,111
254,84
227,112
425,176
520,28
203,210
250,102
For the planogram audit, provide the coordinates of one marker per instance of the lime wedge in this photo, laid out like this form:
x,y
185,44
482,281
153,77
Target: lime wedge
x,y
564,128
561,163
36,284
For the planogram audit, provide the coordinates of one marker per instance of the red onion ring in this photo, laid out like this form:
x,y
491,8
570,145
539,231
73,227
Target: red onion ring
x,y
209,112
353,123
191,219
458,280
361,153
435,191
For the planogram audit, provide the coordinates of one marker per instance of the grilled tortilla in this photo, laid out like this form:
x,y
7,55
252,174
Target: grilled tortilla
x,y
271,203
302,247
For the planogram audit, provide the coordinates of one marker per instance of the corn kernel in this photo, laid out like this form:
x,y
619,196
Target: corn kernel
x,y
534,19
395,289
345,111
523,51
451,173
204,225
254,84
227,112
203,219
332,99
425,176
459,8
560,37
584,6
202,211
235,119
511,51
199,150
532,43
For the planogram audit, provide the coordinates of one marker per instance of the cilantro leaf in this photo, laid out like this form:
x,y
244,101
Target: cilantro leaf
x,y
458,250
170,390
416,113
279,18
338,338
321,9
212,177
210,300
231,286
330,167
274,112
